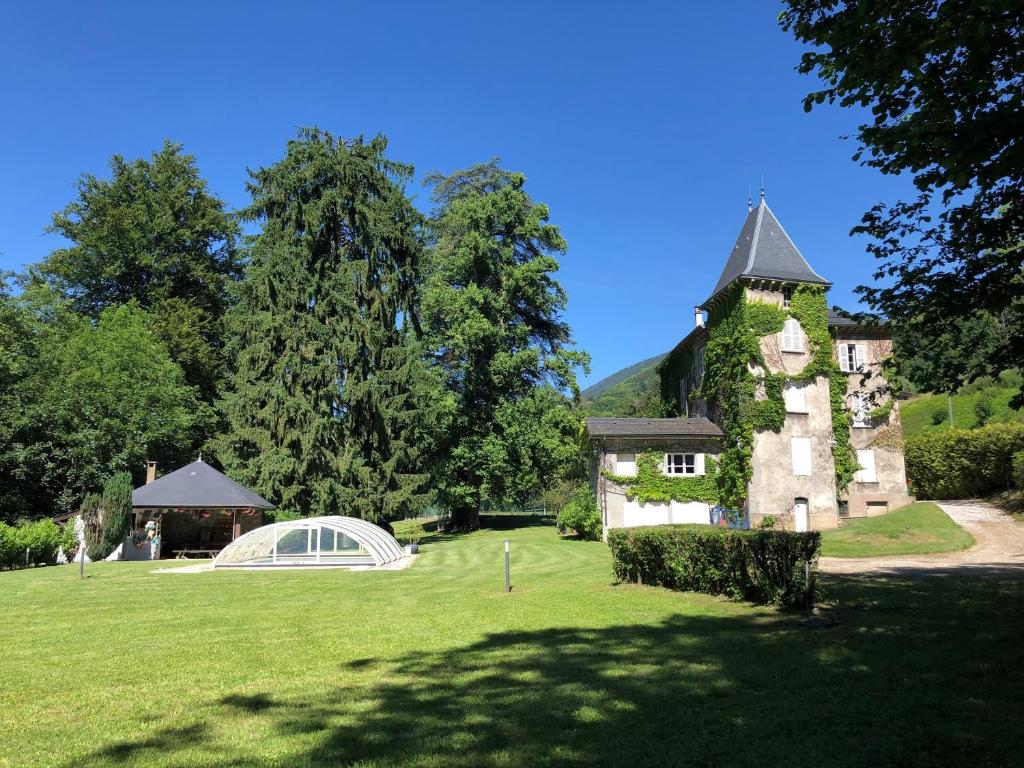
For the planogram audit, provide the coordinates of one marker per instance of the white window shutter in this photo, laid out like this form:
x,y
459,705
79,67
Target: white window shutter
x,y
861,353
698,464
844,359
625,464
866,473
794,397
791,340
801,455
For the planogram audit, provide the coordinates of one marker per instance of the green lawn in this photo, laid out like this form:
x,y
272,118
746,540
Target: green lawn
x,y
916,529
930,413
436,666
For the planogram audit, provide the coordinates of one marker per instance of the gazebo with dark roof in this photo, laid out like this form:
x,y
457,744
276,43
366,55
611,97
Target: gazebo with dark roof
x,y
197,508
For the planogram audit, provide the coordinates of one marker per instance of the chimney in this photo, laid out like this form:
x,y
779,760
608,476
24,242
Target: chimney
x,y
698,317
150,472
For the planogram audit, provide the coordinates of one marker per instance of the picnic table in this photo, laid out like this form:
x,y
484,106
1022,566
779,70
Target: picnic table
x,y
184,554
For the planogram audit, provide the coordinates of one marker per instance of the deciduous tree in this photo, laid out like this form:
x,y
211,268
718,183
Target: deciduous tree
x,y
152,233
493,311
944,80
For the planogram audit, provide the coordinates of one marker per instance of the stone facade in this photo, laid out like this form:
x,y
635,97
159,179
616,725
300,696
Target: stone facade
x,y
880,436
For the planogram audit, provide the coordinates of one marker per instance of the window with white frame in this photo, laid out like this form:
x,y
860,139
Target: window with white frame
x,y
794,395
800,448
625,464
852,358
787,297
866,473
859,409
792,336
681,464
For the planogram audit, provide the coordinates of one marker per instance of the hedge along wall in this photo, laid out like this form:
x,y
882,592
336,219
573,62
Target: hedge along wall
x,y
764,566
962,463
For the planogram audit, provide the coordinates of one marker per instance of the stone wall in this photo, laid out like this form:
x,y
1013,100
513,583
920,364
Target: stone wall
x,y
882,436
773,488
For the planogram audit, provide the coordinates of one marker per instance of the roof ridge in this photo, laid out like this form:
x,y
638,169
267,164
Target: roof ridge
x,y
757,234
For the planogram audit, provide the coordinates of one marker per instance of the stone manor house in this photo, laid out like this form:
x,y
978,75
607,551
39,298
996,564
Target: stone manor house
x,y
652,471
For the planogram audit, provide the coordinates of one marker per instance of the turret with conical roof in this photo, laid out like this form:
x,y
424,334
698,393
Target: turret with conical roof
x,y
763,251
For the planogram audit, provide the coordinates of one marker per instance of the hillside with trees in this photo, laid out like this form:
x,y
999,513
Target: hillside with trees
x,y
632,391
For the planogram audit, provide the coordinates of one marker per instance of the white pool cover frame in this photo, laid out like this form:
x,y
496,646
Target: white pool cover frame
x,y
376,546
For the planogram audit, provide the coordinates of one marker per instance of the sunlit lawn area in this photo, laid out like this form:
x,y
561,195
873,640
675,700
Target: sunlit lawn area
x,y
436,666
916,529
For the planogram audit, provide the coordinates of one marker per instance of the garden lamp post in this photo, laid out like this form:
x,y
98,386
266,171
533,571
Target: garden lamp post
x,y
508,583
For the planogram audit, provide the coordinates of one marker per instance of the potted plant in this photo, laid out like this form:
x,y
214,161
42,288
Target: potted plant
x,y
412,546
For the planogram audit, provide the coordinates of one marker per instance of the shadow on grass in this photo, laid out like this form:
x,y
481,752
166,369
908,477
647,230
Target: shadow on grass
x,y
918,672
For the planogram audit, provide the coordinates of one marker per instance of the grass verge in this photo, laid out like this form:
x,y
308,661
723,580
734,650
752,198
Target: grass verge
x,y
916,529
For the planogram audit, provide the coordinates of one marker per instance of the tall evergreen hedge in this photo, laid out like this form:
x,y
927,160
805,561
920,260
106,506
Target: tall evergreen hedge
x,y
117,511
963,463
763,566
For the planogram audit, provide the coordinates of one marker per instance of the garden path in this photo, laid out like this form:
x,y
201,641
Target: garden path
x,y
998,548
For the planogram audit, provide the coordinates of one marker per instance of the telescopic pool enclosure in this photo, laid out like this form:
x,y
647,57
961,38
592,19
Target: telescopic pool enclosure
x,y
312,541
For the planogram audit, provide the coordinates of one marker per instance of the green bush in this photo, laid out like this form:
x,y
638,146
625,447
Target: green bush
x,y
9,555
1018,469
580,515
68,539
963,463
41,539
763,566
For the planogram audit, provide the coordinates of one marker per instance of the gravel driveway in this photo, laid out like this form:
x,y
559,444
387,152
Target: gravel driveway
x,y
998,548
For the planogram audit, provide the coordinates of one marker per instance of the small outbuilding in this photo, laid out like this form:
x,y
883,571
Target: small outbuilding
x,y
196,510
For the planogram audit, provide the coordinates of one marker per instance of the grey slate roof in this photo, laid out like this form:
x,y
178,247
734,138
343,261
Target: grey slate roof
x,y
763,249
839,319
689,427
197,485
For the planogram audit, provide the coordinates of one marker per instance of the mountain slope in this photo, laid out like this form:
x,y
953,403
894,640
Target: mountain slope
x,y
615,394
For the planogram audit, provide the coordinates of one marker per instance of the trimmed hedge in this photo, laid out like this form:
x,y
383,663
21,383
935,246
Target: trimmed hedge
x,y
963,463
763,566
42,539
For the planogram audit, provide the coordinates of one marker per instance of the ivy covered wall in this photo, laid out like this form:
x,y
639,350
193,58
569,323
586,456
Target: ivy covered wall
x,y
650,484
748,397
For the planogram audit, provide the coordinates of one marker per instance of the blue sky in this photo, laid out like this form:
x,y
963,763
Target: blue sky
x,y
640,124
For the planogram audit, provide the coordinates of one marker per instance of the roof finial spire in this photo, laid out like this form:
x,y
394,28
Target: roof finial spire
x,y
762,187
750,199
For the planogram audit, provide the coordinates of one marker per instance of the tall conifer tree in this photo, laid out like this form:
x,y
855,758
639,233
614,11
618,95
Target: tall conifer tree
x,y
325,411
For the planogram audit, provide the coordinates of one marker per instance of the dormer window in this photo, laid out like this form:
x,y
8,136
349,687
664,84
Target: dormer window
x,y
787,297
